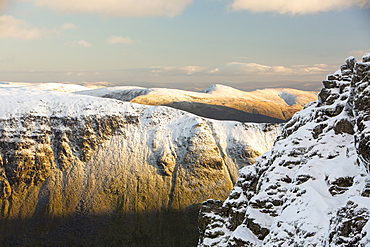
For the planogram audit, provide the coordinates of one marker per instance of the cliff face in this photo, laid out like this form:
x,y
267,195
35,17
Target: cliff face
x,y
80,170
313,187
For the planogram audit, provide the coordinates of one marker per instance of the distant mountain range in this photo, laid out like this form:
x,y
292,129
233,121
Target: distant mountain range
x,y
218,101
273,105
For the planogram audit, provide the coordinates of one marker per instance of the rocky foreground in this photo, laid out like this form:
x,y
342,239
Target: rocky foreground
x,y
85,171
313,187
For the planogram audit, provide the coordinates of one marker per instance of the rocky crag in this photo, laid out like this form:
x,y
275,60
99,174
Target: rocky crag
x,y
85,171
313,187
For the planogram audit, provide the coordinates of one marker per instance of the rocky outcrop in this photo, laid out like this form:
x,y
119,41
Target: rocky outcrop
x,y
312,188
84,171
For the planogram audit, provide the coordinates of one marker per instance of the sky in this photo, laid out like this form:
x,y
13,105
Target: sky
x,y
186,44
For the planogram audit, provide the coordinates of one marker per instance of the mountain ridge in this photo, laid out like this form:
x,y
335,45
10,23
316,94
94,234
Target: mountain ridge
x,y
273,105
76,169
279,104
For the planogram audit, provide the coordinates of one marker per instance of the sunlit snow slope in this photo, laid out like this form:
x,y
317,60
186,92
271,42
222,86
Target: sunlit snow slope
x,y
218,101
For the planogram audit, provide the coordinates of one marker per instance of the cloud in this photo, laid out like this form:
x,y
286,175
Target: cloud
x,y
124,8
82,43
282,70
119,40
244,69
237,68
68,26
16,28
11,27
296,6
75,73
187,70
213,71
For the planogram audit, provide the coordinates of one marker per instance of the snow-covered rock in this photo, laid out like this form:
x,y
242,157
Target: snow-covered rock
x,y
78,170
313,187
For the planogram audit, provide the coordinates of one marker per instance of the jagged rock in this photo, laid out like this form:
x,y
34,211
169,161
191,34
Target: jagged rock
x,y
344,126
312,188
84,171
348,225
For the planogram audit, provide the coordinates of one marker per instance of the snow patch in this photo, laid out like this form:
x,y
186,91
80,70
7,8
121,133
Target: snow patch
x,y
288,98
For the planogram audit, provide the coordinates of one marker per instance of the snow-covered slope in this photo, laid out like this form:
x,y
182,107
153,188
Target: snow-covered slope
x,y
218,101
280,96
79,170
60,87
124,93
313,187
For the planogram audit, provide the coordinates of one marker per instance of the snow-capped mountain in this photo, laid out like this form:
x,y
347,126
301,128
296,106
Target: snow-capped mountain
x,y
313,187
60,87
78,170
218,101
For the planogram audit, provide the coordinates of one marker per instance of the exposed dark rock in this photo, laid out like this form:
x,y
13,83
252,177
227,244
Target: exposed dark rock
x,y
347,226
329,83
344,126
340,185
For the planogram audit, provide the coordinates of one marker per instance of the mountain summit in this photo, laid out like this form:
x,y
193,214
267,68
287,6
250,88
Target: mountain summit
x,y
313,187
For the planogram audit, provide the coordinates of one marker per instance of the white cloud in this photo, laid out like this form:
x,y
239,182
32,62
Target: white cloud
x,y
68,26
244,69
130,8
237,68
84,43
187,70
16,28
282,70
79,43
296,6
213,71
119,40
11,27
310,70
